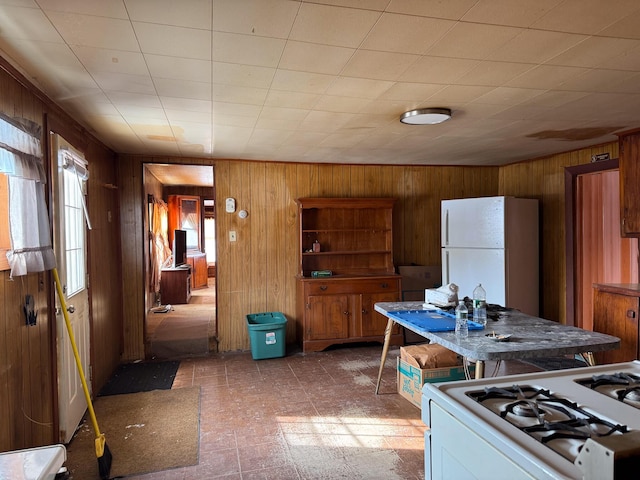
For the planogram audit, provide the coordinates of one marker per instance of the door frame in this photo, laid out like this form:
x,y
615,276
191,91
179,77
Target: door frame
x,y
570,184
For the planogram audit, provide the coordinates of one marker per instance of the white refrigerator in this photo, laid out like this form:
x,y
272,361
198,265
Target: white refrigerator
x,y
493,241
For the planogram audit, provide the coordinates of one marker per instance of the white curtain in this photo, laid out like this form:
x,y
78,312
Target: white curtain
x,y
21,159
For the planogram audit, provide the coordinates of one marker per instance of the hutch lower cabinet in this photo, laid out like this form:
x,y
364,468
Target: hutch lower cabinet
x,y
345,267
340,310
615,312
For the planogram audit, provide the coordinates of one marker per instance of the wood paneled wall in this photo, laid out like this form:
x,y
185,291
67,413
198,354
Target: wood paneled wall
x,y
257,273
544,179
28,385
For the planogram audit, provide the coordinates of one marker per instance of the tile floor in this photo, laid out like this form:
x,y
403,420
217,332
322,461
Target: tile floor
x,y
303,416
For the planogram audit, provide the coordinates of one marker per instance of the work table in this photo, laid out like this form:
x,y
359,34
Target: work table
x,y
530,337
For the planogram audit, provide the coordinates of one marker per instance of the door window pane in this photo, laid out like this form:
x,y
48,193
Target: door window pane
x,y
74,233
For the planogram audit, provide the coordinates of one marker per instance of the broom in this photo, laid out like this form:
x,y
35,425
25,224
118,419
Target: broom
x,y
102,449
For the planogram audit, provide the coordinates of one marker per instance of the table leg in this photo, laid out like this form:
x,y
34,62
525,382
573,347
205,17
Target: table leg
x,y
385,349
479,368
589,358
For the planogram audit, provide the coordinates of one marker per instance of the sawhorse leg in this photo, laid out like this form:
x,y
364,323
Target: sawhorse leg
x,y
385,350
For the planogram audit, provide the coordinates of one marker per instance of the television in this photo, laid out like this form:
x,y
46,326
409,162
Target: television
x,y
179,247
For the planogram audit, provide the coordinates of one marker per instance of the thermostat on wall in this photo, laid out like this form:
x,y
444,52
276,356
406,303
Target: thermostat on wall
x,y
230,205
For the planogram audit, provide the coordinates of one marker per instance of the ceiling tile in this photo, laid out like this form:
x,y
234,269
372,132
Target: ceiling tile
x,y
378,65
97,32
410,91
176,116
230,120
236,94
471,40
629,60
554,99
494,74
105,60
26,24
626,27
405,34
124,82
332,103
169,87
186,104
179,68
585,16
132,99
594,51
442,70
192,14
242,75
313,58
291,99
545,77
358,87
247,49
84,7
432,8
455,94
263,18
535,46
508,95
301,81
227,108
337,26
319,121
516,13
597,80
173,41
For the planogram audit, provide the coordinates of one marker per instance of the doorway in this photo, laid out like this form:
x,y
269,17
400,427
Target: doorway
x,y
180,283
70,243
599,254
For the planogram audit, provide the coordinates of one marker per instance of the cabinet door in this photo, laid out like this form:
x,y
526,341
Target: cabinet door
x,y
374,323
617,315
327,317
629,163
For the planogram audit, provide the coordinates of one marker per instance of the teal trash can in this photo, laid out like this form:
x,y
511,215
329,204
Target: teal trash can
x,y
267,334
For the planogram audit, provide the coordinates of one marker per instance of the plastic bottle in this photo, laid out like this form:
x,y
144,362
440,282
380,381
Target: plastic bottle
x,y
462,327
480,305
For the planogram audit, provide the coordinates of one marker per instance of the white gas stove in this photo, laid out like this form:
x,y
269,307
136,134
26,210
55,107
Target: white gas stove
x,y
581,423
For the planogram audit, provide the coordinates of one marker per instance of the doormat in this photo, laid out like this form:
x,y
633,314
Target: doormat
x,y
145,432
141,377
555,363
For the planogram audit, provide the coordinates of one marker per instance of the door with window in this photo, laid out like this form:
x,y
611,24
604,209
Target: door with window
x,y
69,238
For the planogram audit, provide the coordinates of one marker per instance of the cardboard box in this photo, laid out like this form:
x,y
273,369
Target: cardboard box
x,y
415,278
419,364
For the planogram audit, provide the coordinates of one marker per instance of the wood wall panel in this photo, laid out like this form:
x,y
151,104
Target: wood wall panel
x,y
27,353
544,179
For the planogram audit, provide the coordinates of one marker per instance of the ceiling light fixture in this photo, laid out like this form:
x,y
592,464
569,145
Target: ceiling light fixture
x,y
426,116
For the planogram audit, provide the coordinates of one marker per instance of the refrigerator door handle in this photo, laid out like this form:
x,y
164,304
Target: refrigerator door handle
x,y
446,227
445,280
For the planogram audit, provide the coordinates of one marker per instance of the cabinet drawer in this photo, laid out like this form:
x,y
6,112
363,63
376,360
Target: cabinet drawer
x,y
329,287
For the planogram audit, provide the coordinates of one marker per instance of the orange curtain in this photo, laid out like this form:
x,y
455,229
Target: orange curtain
x,y
160,250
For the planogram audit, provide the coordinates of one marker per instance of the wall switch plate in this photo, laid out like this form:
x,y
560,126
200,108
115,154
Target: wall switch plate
x,y
232,236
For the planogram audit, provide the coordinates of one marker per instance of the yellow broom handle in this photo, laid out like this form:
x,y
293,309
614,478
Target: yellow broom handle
x,y
63,305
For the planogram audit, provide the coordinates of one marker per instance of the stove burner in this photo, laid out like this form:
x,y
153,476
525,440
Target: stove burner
x,y
619,378
548,417
526,409
632,394
605,384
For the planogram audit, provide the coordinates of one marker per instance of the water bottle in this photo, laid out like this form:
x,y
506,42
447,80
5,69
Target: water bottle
x,y
462,327
480,305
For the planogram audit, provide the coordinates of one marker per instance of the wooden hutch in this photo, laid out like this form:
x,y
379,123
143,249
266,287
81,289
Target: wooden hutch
x,y
352,239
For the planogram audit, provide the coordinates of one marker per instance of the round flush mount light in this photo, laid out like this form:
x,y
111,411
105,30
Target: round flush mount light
x,y
426,116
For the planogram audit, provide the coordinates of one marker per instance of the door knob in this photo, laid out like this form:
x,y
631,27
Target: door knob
x,y
71,309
